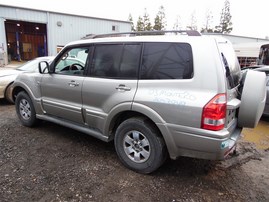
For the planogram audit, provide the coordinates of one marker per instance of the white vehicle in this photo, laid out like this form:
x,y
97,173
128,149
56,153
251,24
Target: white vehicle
x,y
7,76
253,53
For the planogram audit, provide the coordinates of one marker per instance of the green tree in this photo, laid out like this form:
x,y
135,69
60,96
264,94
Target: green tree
x,y
146,22
160,20
139,24
130,19
225,25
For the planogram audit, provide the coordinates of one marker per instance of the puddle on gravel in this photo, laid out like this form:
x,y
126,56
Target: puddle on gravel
x,y
259,135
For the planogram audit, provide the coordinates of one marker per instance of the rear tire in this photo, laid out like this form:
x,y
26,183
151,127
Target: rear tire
x,y
139,145
25,110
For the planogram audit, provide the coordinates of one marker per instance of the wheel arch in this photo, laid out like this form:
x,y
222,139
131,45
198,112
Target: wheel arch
x,y
19,88
139,110
16,90
8,92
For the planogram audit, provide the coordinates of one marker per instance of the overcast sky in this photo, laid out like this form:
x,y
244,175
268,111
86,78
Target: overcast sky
x,y
249,17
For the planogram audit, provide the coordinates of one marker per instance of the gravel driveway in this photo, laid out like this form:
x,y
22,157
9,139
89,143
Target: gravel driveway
x,y
53,163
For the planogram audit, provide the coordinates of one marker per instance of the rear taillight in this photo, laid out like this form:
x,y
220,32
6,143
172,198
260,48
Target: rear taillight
x,y
214,113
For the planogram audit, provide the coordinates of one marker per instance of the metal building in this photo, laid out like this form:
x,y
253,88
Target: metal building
x,y
28,33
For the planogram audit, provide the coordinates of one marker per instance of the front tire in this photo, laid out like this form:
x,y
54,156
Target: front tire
x,y
139,145
25,110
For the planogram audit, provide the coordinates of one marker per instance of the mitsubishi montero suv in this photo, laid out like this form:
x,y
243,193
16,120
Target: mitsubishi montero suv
x,y
155,94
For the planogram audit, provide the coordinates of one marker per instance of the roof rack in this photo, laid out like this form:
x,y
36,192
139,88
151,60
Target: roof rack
x,y
144,33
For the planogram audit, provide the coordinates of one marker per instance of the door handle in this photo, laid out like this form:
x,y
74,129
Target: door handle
x,y
122,87
73,84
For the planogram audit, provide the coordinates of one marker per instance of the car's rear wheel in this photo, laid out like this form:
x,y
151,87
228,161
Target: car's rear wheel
x,y
252,99
139,145
25,109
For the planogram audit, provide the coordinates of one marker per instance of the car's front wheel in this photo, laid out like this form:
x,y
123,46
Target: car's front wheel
x,y
139,145
25,109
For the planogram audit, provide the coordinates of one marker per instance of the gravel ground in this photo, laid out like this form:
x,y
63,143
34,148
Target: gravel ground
x,y
53,163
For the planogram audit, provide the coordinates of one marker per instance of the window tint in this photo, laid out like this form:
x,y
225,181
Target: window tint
x,y
72,62
116,61
167,61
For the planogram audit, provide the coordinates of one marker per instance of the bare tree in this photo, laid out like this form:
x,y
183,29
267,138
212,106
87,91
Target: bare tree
x,y
177,24
193,23
208,22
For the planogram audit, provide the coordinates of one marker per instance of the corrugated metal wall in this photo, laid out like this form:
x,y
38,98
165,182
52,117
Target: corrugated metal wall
x,y
23,14
63,28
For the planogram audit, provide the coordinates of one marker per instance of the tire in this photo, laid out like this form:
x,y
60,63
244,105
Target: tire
x,y
25,110
139,145
252,99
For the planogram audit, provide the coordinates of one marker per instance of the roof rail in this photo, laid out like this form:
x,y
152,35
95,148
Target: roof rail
x,y
144,33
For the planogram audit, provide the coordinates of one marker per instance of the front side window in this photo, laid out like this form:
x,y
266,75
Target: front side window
x,y
119,61
72,62
167,61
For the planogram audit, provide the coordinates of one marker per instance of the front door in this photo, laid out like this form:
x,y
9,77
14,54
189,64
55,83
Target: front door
x,y
61,90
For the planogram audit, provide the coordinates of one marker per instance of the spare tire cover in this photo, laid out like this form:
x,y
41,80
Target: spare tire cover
x,y
252,99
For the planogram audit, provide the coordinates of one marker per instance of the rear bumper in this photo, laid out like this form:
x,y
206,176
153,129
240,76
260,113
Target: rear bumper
x,y
199,143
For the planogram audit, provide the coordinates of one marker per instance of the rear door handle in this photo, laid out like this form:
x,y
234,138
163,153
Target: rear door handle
x,y
73,84
122,87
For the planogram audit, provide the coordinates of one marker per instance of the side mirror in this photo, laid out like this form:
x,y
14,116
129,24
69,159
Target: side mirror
x,y
43,67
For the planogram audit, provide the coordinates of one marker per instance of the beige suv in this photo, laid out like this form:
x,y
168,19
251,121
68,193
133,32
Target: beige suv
x,y
178,94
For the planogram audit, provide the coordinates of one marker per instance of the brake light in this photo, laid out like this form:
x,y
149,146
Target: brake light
x,y
214,113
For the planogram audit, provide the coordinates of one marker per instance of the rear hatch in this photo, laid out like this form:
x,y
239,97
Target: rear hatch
x,y
246,93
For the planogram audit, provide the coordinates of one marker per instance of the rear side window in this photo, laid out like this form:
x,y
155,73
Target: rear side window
x,y
167,61
119,61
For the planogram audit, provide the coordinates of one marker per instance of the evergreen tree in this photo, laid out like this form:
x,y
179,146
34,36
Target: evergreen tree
x,y
130,19
146,22
225,25
160,21
139,24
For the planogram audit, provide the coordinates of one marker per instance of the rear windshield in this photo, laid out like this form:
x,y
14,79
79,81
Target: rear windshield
x,y
231,64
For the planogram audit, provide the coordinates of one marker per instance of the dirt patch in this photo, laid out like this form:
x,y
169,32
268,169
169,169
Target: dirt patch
x,y
53,163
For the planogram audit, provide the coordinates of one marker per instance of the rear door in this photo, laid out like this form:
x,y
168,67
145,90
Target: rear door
x,y
111,83
233,76
250,89
61,90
